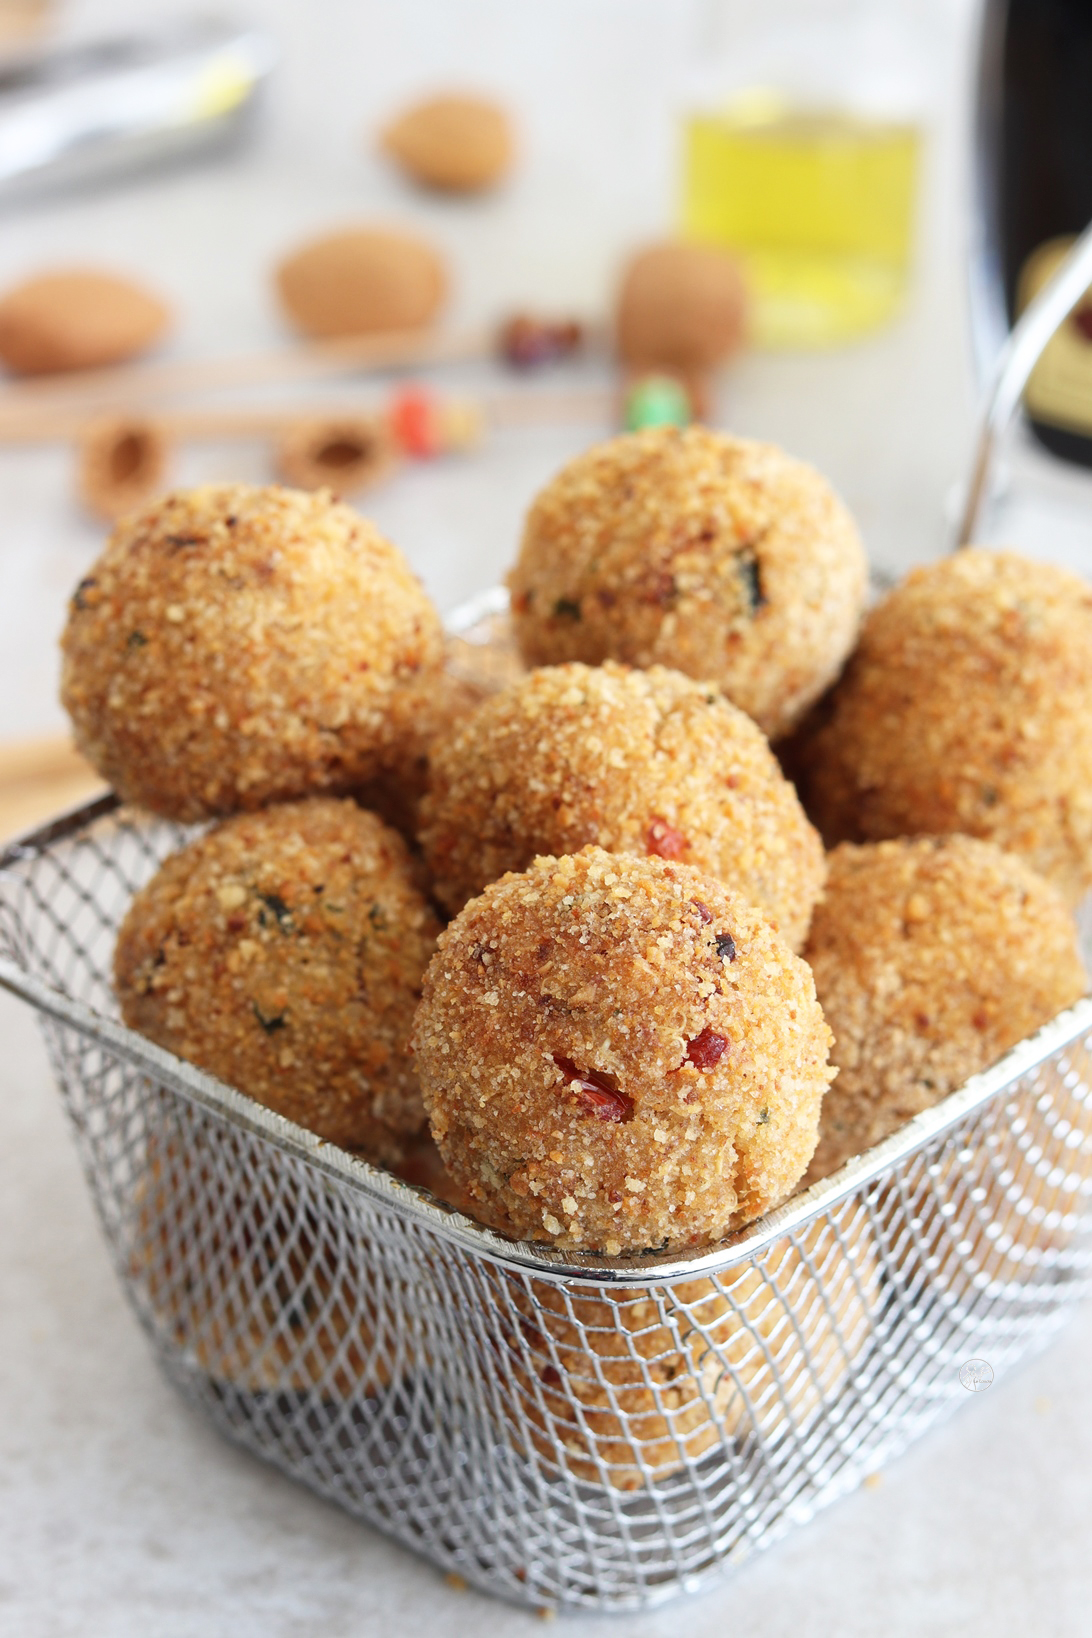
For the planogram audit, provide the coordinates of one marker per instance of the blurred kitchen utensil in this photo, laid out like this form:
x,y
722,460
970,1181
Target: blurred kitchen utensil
x,y
83,112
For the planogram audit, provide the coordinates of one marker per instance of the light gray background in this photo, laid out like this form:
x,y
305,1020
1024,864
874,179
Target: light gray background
x,y
121,1513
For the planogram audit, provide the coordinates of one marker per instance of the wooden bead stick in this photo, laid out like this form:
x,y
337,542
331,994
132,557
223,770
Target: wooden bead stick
x,y
519,409
212,426
123,460
130,387
182,426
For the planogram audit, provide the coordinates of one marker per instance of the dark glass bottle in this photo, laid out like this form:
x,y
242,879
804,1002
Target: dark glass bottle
x,y
1035,186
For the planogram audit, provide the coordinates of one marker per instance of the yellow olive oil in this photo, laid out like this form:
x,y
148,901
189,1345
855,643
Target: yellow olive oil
x,y
819,206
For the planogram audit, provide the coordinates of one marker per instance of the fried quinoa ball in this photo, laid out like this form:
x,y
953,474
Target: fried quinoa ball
x,y
630,1384
618,1053
645,762
263,1293
967,707
932,957
235,646
423,713
719,556
283,952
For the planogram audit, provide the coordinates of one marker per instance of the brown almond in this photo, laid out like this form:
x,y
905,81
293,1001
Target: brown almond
x,y
77,319
362,279
680,307
458,144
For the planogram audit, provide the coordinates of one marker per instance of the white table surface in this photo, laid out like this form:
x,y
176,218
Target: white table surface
x,y
120,1512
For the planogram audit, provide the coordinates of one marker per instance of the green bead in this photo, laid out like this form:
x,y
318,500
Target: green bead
x,y
656,401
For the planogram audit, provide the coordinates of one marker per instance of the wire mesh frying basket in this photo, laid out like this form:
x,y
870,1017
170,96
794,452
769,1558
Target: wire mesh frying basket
x,y
565,1431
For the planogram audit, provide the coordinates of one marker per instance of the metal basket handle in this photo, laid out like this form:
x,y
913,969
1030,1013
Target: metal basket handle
x,y
1018,357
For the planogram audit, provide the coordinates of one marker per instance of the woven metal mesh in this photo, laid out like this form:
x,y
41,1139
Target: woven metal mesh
x,y
561,1442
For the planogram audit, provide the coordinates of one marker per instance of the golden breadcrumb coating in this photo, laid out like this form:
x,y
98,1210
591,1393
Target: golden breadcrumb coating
x,y
619,1053
632,1381
283,952
235,646
967,707
644,762
719,556
932,957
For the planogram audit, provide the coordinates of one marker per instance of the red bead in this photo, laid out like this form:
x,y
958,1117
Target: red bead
x,y
415,422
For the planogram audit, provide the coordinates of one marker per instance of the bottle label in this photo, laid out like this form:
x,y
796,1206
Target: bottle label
x,y
1059,393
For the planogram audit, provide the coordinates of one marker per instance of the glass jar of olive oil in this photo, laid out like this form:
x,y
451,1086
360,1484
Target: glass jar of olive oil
x,y
801,152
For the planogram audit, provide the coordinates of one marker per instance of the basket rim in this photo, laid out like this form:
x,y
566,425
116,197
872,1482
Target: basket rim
x,y
421,1207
